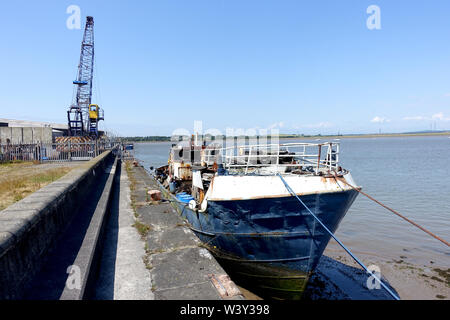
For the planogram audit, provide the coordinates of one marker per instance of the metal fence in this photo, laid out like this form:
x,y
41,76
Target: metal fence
x,y
43,152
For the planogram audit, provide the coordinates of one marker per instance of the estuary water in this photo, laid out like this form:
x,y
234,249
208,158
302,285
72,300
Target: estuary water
x,y
409,174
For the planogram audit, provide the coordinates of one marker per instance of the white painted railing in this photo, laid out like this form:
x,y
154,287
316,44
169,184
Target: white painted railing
x,y
306,156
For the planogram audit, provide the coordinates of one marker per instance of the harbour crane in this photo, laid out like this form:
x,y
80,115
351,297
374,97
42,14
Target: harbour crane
x,y
83,116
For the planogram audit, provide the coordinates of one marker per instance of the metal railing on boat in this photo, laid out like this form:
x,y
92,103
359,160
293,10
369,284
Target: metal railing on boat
x,y
294,155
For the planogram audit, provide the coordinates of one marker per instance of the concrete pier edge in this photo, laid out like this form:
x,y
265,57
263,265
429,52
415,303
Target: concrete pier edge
x,y
88,257
29,227
180,267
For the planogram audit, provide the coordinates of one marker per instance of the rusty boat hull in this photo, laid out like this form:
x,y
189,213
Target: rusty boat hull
x,y
269,245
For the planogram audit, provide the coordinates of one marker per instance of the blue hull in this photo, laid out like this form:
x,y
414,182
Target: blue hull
x,y
270,244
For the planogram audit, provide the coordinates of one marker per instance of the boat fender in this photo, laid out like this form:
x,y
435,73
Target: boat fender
x,y
192,204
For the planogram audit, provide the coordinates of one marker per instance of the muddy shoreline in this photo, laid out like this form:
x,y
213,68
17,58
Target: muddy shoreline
x,y
338,277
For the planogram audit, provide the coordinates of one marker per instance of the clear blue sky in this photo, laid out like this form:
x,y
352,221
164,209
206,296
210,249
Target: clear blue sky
x,y
303,66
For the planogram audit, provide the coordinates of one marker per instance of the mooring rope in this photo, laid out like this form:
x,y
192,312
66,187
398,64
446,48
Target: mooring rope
x,y
395,212
338,241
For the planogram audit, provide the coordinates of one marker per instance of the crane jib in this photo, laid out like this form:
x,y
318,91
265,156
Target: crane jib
x,y
83,116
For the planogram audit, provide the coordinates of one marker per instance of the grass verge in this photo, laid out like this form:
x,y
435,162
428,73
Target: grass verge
x,y
19,179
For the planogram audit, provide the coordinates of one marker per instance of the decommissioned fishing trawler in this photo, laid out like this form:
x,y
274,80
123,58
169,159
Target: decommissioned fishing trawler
x,y
236,201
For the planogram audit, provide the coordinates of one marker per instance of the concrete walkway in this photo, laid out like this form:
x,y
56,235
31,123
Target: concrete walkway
x,y
123,275
167,263
180,267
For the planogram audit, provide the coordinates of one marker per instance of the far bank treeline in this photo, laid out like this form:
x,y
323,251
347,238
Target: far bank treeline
x,y
146,139
166,138
292,136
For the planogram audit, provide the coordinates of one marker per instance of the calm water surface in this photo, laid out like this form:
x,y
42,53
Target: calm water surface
x,y
409,174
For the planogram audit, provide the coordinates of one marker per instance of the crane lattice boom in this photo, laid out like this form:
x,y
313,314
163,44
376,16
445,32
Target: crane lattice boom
x,y
82,115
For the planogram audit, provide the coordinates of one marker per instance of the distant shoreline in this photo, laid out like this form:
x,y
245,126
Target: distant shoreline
x,y
345,136
382,135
